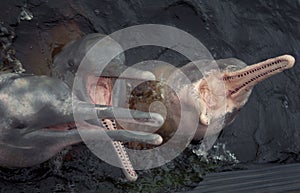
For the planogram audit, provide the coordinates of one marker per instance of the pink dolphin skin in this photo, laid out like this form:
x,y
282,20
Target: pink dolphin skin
x,y
37,114
229,89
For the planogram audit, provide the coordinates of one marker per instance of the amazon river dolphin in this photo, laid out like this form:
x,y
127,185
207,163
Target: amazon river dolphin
x,y
220,94
36,120
216,94
37,111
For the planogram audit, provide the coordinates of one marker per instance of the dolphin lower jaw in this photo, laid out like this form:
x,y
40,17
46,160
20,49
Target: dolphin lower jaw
x,y
100,92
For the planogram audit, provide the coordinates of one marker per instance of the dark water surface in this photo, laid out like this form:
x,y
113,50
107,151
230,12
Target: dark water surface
x,y
267,129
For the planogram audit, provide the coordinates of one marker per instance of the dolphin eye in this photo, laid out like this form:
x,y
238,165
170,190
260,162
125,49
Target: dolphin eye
x,y
71,62
20,126
231,68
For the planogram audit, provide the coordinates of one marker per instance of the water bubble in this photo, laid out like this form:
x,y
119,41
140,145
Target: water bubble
x,y
97,11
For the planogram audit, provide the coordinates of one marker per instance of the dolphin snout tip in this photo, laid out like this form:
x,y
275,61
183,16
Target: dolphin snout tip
x,y
290,59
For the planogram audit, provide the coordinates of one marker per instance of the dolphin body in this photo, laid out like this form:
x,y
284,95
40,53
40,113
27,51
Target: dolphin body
x,y
216,94
37,111
37,121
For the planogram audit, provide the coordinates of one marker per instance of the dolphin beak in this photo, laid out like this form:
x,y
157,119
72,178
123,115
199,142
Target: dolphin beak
x,y
241,81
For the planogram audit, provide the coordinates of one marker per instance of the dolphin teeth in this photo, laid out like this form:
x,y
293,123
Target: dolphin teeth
x,y
127,167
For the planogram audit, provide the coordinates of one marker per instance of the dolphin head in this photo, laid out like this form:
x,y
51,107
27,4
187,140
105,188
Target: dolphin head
x,y
222,93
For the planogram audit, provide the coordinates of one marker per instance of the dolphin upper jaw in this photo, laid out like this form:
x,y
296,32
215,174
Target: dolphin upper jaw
x,y
243,80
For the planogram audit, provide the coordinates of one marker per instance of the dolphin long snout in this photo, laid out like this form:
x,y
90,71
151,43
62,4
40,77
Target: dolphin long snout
x,y
249,76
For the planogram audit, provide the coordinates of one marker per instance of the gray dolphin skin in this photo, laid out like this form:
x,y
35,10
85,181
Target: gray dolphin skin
x,y
37,118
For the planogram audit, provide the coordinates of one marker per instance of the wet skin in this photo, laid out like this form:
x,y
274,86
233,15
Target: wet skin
x,y
37,120
37,114
221,94
218,94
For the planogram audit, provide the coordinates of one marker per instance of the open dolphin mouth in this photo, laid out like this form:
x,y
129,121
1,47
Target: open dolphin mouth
x,y
100,91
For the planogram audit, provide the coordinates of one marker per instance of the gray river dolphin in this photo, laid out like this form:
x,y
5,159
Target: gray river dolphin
x,y
37,111
37,120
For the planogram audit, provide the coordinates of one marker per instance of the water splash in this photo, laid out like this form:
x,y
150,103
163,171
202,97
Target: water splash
x,y
217,154
25,15
8,61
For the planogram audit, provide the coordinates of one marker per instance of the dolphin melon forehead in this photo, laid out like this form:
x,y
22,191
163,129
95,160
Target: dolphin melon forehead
x,y
67,62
